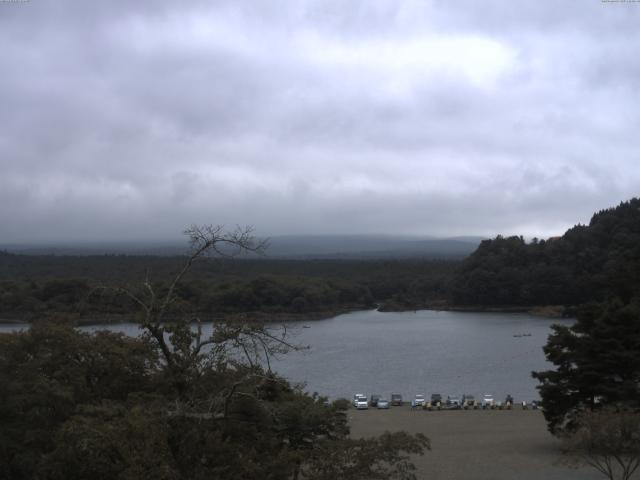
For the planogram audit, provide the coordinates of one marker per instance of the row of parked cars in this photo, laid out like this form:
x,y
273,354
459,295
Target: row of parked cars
x,y
361,401
452,402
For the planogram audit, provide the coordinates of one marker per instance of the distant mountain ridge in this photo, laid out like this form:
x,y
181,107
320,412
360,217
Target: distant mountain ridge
x,y
289,246
369,246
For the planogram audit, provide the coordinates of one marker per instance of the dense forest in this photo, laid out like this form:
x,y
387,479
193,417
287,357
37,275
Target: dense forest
x,y
588,263
596,360
33,286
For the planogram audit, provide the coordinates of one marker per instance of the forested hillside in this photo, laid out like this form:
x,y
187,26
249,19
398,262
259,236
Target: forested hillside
x,y
32,287
588,263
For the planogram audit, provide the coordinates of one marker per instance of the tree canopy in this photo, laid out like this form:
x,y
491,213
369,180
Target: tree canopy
x,y
588,263
597,363
172,404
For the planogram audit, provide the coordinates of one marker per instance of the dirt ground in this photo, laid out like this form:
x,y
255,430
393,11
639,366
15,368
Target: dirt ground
x,y
476,444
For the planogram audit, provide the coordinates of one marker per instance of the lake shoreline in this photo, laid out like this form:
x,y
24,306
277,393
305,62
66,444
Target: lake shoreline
x,y
545,311
548,311
262,317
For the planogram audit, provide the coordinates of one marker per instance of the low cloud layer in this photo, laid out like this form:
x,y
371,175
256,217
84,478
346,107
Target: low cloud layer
x,y
130,120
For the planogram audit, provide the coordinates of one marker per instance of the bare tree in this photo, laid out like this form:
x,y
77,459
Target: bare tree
x,y
220,387
607,440
235,341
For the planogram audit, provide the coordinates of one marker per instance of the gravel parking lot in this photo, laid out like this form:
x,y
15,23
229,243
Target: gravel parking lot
x,y
476,444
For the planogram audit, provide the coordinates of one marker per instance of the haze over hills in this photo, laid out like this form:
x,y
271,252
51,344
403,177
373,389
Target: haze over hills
x,y
370,246
286,246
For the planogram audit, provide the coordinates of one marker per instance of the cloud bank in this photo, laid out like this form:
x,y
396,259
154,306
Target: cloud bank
x,y
130,120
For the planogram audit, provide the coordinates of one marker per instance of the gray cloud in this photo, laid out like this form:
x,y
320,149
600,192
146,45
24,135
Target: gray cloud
x,y
125,120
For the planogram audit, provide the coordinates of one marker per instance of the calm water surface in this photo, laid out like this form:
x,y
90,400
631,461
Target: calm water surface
x,y
422,352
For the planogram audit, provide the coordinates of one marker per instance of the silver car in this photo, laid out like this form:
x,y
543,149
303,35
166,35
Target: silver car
x,y
419,400
360,401
383,403
488,401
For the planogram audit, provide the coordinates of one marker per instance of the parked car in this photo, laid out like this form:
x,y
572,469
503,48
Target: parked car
x,y
383,403
436,400
374,400
488,401
396,399
419,400
468,401
360,401
453,402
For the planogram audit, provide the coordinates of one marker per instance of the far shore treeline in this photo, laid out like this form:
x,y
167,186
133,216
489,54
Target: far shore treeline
x,y
588,263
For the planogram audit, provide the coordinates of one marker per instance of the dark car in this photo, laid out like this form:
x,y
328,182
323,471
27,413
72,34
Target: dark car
x,y
453,402
374,400
396,399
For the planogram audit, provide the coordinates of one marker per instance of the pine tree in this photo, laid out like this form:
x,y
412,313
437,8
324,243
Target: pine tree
x,y
597,363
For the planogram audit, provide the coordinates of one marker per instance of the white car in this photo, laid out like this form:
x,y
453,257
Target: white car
x,y
488,401
360,401
418,401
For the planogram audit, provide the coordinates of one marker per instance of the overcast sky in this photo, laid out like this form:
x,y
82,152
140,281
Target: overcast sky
x,y
131,120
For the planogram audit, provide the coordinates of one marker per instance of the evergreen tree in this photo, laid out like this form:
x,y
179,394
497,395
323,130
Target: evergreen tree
x,y
597,363
588,263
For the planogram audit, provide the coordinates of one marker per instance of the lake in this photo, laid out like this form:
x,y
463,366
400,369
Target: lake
x,y
412,352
